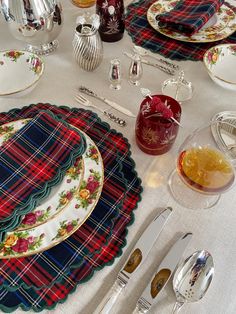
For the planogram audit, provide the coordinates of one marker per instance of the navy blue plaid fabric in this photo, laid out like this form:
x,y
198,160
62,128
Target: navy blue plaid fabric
x,y
144,35
32,161
188,16
98,240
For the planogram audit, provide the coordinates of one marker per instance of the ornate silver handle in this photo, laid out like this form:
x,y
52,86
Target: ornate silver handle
x,y
115,119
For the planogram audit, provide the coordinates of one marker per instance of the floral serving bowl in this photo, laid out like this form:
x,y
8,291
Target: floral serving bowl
x,y
220,62
20,71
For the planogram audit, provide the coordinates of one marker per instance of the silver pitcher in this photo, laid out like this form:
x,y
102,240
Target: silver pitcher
x,y
87,44
36,22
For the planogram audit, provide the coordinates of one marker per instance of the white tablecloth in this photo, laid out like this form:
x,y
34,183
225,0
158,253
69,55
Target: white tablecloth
x,y
214,229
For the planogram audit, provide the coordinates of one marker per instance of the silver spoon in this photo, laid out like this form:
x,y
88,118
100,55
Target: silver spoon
x,y
192,278
143,52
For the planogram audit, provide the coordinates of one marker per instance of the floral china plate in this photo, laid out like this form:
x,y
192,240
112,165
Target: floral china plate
x,y
66,208
220,62
222,24
20,71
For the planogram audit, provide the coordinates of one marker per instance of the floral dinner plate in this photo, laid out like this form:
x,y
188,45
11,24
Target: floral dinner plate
x,y
66,208
224,23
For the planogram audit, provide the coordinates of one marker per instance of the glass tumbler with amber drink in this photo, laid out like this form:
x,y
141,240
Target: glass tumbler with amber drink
x,y
205,166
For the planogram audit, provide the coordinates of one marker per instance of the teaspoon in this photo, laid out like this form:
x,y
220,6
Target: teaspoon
x,y
192,278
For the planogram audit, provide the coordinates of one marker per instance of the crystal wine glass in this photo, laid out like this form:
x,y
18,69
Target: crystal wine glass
x,y
205,166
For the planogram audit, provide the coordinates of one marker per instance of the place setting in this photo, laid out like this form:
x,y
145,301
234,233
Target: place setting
x,y
172,30
70,187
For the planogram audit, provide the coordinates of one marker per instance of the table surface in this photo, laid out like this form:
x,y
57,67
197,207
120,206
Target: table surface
x,y
213,229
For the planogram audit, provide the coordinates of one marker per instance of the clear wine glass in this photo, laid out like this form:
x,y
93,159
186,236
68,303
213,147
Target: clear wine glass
x,y
205,166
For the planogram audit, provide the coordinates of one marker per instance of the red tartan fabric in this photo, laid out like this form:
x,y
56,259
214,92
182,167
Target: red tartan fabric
x,y
144,35
31,161
188,16
93,234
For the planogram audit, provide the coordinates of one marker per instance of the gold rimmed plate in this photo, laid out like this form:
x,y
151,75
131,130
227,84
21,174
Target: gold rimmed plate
x,y
221,25
20,72
79,197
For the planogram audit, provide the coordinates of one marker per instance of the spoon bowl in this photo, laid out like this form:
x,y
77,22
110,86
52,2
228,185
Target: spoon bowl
x,y
192,278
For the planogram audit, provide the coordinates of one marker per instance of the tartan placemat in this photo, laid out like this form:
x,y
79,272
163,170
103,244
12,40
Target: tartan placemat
x,y
32,161
94,233
144,35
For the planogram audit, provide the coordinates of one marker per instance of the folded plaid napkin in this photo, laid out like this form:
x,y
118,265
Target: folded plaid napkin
x,y
33,160
188,16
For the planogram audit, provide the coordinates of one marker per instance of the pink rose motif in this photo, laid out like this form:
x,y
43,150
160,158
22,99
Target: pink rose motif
x,y
29,219
92,186
69,227
30,239
93,151
90,179
21,246
69,195
38,213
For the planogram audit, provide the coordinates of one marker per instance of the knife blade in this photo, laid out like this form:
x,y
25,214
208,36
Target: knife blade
x,y
156,65
135,259
151,293
109,102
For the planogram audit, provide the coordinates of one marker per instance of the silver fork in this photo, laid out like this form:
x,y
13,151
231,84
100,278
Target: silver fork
x,y
87,103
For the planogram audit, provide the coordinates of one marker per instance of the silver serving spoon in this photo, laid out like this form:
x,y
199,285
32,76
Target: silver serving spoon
x,y
192,278
143,52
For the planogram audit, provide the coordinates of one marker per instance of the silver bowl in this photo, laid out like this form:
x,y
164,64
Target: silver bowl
x,y
36,22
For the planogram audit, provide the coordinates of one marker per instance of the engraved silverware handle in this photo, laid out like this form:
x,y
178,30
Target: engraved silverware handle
x,y
111,103
85,102
160,67
110,298
115,119
171,65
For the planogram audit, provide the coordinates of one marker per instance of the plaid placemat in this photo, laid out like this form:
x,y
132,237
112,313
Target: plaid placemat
x,y
144,35
32,161
81,251
188,16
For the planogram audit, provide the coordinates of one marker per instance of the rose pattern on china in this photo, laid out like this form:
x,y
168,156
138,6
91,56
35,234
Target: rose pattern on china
x,y
213,55
74,172
13,55
66,227
35,217
65,197
20,242
25,239
88,191
232,49
93,153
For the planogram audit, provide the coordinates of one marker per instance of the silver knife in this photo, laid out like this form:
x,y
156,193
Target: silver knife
x,y
156,65
136,258
111,103
151,294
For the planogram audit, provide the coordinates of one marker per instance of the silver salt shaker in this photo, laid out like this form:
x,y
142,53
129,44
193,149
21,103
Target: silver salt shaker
x,y
115,74
135,70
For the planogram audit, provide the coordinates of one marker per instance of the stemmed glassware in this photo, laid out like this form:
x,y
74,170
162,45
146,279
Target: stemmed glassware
x,y
205,166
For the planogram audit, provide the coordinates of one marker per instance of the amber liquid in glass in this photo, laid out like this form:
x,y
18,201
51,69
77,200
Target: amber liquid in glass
x,y
205,170
83,3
